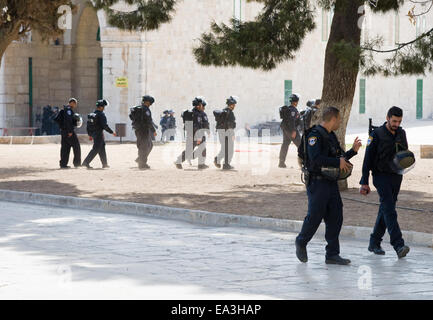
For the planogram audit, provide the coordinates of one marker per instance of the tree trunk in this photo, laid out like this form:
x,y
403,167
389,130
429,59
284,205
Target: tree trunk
x,y
339,80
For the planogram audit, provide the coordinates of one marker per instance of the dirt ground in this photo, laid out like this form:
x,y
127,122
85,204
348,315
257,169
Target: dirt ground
x,y
257,187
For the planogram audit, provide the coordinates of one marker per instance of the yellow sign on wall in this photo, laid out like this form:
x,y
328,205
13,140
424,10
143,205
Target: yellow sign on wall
x,y
122,82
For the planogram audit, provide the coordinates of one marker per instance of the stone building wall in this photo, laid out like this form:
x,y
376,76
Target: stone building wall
x,y
161,63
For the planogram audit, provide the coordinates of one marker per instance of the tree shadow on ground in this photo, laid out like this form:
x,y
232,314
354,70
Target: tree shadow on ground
x,y
42,186
13,172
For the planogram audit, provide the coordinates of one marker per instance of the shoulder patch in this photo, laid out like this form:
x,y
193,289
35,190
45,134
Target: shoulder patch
x,y
370,140
148,113
69,112
293,113
312,141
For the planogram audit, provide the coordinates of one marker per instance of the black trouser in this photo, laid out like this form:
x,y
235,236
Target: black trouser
x,y
226,138
144,145
287,139
98,148
388,187
65,150
324,202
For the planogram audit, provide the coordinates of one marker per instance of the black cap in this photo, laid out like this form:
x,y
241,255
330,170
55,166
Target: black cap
x,y
148,98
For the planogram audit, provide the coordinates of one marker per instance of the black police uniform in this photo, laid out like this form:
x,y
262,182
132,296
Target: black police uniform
x,y
171,126
226,134
381,149
144,131
200,121
164,126
68,142
308,116
98,140
324,201
290,116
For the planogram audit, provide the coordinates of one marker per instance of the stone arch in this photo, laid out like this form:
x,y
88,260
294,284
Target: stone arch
x,y
86,60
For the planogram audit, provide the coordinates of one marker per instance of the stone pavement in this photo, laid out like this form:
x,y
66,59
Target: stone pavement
x,y
50,252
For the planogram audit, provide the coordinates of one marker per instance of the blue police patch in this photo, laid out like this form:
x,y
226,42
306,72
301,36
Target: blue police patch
x,y
312,141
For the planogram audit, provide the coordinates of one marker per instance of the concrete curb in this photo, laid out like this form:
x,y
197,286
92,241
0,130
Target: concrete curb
x,y
196,216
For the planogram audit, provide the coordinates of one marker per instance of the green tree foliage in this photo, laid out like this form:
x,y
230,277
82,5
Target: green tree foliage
x,y
17,17
146,15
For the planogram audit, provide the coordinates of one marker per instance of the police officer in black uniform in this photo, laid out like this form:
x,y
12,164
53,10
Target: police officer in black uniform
x,y
95,130
307,115
226,135
382,146
145,131
171,125
196,138
324,155
290,121
67,123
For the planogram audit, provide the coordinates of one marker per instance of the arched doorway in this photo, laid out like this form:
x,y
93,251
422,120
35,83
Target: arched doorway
x,y
87,62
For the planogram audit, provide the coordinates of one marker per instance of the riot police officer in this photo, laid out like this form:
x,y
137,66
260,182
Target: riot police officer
x,y
67,122
308,114
164,125
289,124
226,123
171,125
383,144
326,163
96,124
145,131
195,136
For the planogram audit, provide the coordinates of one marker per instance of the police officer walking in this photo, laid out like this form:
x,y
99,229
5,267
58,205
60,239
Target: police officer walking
x,y
144,130
96,124
326,163
171,125
382,147
226,134
67,122
307,115
289,124
164,125
195,136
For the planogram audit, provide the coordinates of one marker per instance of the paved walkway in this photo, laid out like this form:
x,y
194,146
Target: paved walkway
x,y
48,252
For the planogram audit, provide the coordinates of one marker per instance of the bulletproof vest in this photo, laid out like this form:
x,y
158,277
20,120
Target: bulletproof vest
x,y
92,123
186,116
138,116
388,146
328,148
220,116
285,113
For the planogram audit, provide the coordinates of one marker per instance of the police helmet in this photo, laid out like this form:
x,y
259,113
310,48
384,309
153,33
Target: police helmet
x,y
310,103
199,100
77,120
403,161
149,99
294,97
102,103
232,100
73,100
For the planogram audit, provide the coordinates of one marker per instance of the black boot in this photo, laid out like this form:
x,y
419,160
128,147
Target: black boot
x,y
337,260
301,252
215,162
202,166
85,164
402,251
227,167
282,165
376,249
